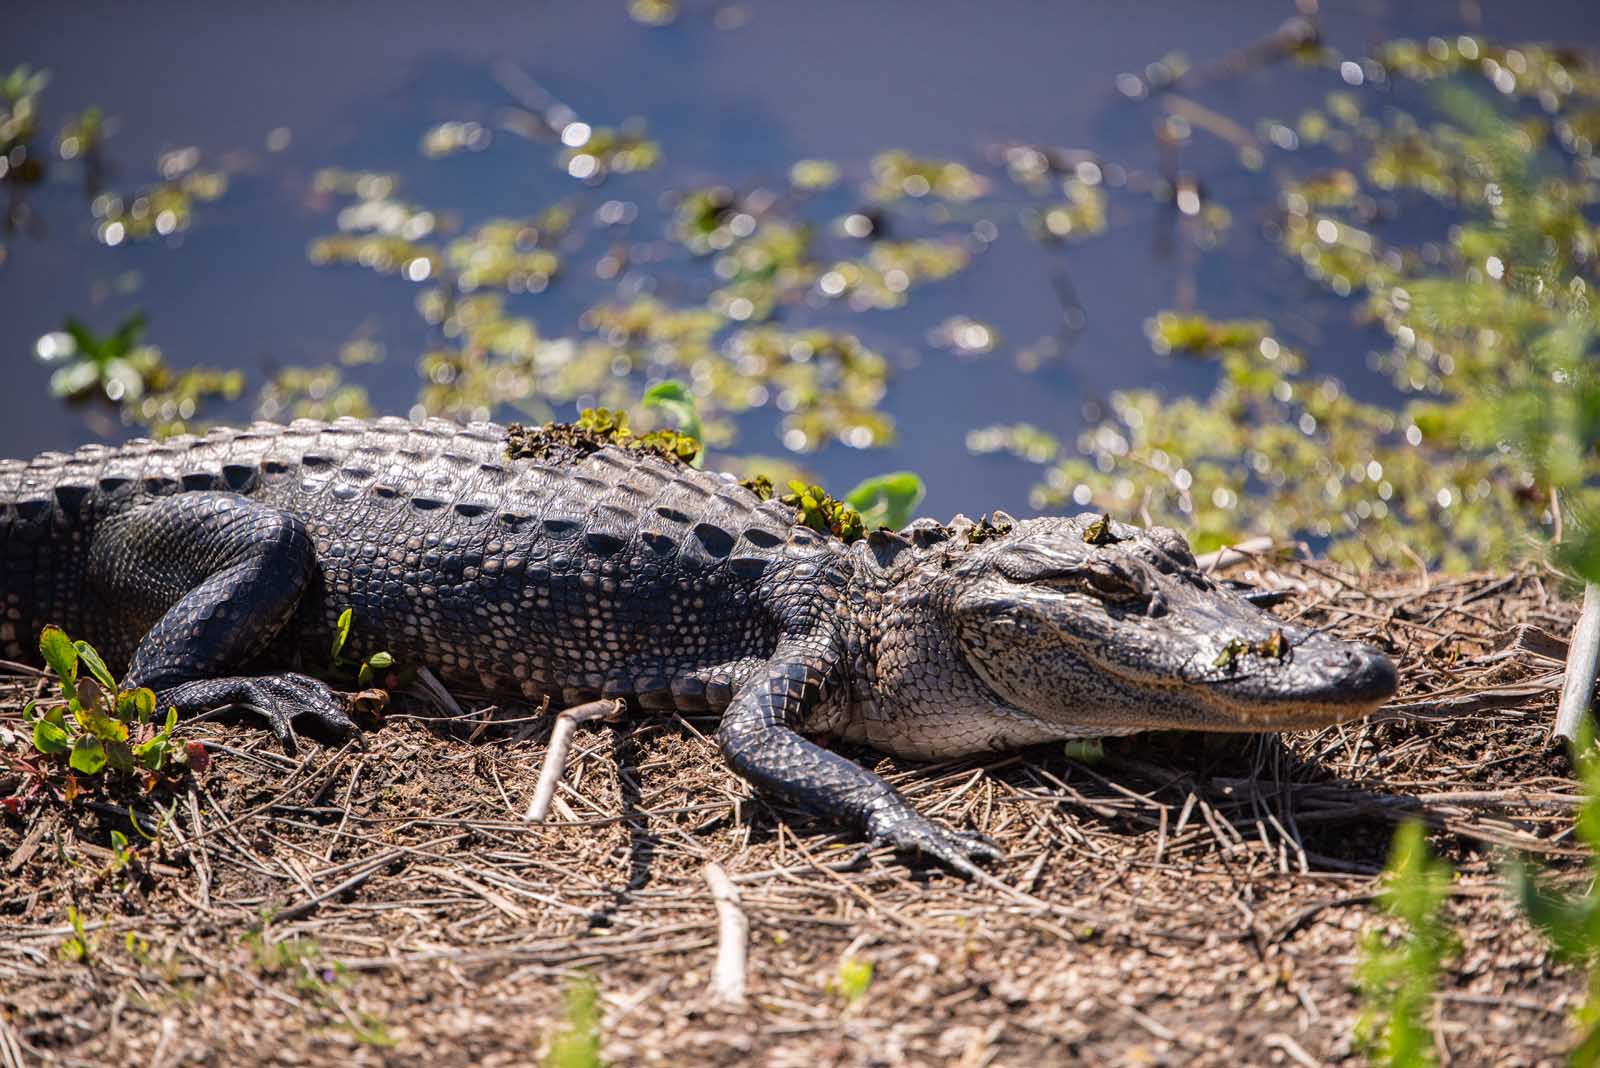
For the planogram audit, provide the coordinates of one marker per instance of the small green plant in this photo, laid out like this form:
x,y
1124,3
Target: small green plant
x,y
98,726
124,371
121,851
595,429
852,979
370,1029
1398,972
367,671
1571,921
816,508
577,1044
79,946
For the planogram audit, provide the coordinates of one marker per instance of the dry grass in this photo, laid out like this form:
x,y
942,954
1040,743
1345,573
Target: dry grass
x,y
1186,900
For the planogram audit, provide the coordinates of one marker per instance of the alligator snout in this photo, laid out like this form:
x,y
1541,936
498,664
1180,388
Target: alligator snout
x,y
1316,680
1352,673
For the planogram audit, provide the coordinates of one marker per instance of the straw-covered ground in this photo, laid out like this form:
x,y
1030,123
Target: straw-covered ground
x,y
1185,899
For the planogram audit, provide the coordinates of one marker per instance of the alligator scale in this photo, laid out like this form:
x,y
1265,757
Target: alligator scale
x,y
202,566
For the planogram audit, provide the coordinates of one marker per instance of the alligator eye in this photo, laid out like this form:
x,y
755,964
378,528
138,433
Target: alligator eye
x,y
1109,583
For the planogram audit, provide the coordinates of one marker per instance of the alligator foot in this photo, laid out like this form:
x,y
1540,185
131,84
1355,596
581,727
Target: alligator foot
x,y
280,699
956,850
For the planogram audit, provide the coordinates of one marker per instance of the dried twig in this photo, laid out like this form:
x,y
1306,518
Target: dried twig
x,y
1583,656
555,757
733,938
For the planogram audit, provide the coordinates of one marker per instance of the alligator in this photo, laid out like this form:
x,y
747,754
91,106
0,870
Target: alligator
x,y
205,567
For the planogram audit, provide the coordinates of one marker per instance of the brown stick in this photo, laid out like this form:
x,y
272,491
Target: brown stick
x,y
1583,656
733,939
555,757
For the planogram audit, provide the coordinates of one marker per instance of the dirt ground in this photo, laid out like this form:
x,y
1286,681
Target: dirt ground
x,y
1184,899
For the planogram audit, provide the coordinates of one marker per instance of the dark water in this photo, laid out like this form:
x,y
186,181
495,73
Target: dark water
x,y
358,84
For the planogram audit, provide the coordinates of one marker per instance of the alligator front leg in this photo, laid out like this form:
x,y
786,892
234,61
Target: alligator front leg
x,y
760,744
214,577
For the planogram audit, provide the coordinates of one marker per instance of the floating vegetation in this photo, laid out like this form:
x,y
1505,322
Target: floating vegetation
x,y
653,12
502,254
311,393
1081,215
21,162
159,210
890,269
1197,335
449,138
120,370
1022,440
594,154
898,174
814,175
1483,316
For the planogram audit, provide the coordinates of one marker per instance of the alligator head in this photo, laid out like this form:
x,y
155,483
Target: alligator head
x,y
1075,627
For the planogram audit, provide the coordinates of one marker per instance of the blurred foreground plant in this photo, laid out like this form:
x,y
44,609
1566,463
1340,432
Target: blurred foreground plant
x,y
1571,921
1399,970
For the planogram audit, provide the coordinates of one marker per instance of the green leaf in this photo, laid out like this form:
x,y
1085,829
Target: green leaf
x,y
96,666
888,500
59,653
88,696
341,633
50,738
172,716
1569,921
119,757
104,727
152,754
381,661
88,755
674,398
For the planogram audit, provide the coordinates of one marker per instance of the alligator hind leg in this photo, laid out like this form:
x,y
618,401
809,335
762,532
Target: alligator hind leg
x,y
210,579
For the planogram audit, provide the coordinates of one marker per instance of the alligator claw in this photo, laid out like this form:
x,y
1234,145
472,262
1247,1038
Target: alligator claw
x,y
279,699
956,850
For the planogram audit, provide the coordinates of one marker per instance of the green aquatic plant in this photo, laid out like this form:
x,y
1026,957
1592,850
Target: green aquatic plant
x,y
121,371
1491,344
